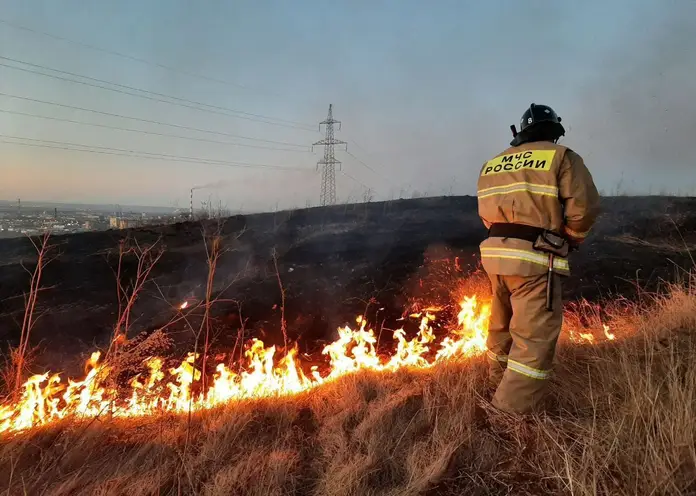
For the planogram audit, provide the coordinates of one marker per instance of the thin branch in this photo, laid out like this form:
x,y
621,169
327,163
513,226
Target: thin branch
x,y
283,324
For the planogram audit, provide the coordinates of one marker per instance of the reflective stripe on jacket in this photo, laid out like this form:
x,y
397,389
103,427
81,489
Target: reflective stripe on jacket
x,y
539,184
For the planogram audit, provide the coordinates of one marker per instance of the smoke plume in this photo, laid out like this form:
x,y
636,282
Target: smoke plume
x,y
212,185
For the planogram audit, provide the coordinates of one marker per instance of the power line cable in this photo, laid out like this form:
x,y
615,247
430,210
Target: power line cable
x,y
362,162
164,158
366,166
125,56
64,145
140,152
149,121
158,97
185,72
359,146
368,188
181,102
140,131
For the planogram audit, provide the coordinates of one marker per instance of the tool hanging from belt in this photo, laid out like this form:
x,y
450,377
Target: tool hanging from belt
x,y
543,240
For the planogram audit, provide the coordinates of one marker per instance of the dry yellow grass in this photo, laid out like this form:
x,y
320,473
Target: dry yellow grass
x,y
621,420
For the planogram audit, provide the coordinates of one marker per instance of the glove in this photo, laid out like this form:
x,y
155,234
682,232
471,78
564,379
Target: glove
x,y
573,242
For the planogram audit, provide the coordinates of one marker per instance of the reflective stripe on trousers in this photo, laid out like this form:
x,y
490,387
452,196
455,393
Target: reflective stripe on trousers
x,y
497,358
523,369
527,256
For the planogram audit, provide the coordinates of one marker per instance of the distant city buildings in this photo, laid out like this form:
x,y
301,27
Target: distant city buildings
x,y
31,220
128,223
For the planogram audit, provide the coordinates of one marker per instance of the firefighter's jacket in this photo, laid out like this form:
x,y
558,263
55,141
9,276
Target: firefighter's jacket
x,y
540,184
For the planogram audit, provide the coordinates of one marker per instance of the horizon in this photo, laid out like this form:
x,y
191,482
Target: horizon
x,y
39,203
30,203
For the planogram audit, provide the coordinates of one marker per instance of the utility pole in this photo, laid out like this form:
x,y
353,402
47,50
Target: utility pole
x,y
329,162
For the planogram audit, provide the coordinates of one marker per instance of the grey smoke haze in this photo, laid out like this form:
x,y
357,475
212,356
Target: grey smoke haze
x,y
213,185
641,107
425,91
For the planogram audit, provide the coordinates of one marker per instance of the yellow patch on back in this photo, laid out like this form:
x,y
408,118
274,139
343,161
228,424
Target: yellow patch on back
x,y
538,160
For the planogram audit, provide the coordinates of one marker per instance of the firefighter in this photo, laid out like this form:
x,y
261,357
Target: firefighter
x,y
538,201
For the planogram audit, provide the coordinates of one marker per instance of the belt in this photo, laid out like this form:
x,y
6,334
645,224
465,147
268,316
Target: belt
x,y
517,231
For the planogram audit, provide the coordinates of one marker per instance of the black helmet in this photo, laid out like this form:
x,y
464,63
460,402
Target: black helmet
x,y
539,121
540,113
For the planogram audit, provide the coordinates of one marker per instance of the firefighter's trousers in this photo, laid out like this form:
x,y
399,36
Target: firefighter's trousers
x,y
522,338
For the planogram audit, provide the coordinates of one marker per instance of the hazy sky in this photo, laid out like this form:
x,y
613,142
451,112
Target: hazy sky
x,y
426,92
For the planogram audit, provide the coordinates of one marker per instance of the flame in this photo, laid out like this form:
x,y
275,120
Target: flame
x,y
587,337
581,337
429,311
183,305
433,309
45,399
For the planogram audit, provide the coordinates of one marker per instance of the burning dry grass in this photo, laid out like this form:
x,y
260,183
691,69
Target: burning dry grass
x,y
621,420
45,398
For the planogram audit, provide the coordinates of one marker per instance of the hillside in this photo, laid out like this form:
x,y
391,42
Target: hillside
x,y
331,262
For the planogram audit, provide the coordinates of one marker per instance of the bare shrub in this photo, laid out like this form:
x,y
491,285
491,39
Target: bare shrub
x,y
19,356
127,293
213,251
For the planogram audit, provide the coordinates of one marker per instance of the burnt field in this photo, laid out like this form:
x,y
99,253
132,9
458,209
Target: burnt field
x,y
377,259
